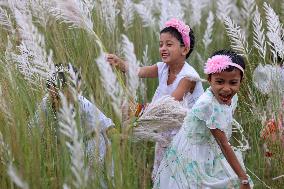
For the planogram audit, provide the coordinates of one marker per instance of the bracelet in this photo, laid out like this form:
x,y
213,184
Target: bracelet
x,y
245,182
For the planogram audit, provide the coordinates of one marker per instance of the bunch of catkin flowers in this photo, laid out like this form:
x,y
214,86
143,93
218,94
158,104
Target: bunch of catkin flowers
x,y
163,115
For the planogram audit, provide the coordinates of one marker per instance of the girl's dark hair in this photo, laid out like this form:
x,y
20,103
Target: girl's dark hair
x,y
238,59
58,78
174,32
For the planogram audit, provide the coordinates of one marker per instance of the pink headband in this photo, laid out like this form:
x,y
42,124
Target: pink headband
x,y
182,28
218,63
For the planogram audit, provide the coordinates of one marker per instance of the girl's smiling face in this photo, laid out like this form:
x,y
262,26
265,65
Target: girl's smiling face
x,y
225,85
171,50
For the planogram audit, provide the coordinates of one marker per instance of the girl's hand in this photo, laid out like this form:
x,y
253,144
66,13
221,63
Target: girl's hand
x,y
117,62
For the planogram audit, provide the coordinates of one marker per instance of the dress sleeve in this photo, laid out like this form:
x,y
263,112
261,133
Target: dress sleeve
x,y
93,115
161,67
213,115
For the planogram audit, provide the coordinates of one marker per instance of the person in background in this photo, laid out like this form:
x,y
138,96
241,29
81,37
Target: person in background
x,y
92,118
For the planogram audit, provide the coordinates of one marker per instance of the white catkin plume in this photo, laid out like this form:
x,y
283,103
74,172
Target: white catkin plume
x,y
146,15
5,21
75,82
224,9
145,62
247,9
200,59
91,4
152,6
133,65
268,78
170,9
185,4
75,144
237,37
108,13
274,32
197,6
243,144
22,5
159,116
207,38
4,3
262,78
235,13
258,35
110,84
145,57
33,60
41,11
127,14
16,178
74,12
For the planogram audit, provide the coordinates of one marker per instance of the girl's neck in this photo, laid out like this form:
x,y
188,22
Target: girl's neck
x,y
175,68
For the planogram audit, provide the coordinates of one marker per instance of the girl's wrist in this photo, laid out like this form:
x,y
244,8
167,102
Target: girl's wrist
x,y
123,66
244,180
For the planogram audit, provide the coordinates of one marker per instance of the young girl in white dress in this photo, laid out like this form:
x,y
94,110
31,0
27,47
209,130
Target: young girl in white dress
x,y
176,77
92,118
200,155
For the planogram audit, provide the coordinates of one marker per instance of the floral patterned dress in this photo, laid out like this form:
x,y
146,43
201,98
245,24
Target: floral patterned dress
x,y
194,159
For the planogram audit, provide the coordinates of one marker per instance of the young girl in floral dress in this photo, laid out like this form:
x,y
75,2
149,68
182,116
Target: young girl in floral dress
x,y
176,77
200,155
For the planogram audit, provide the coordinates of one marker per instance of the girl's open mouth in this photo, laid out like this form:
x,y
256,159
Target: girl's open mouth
x,y
226,99
165,55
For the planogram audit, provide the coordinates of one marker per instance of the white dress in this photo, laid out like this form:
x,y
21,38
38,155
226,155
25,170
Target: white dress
x,y
194,159
163,89
91,119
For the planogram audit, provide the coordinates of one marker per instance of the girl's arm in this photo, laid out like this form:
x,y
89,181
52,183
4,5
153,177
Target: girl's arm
x,y
230,155
144,72
148,71
185,85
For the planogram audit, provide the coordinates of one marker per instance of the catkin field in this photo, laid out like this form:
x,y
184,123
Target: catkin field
x,y
36,35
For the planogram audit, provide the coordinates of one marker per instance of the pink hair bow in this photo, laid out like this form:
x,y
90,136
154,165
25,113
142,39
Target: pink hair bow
x,y
182,28
218,63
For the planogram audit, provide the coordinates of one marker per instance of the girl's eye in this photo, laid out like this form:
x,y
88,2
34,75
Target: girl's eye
x,y
169,45
219,81
234,83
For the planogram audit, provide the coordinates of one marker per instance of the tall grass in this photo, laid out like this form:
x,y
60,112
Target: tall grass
x,y
35,155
